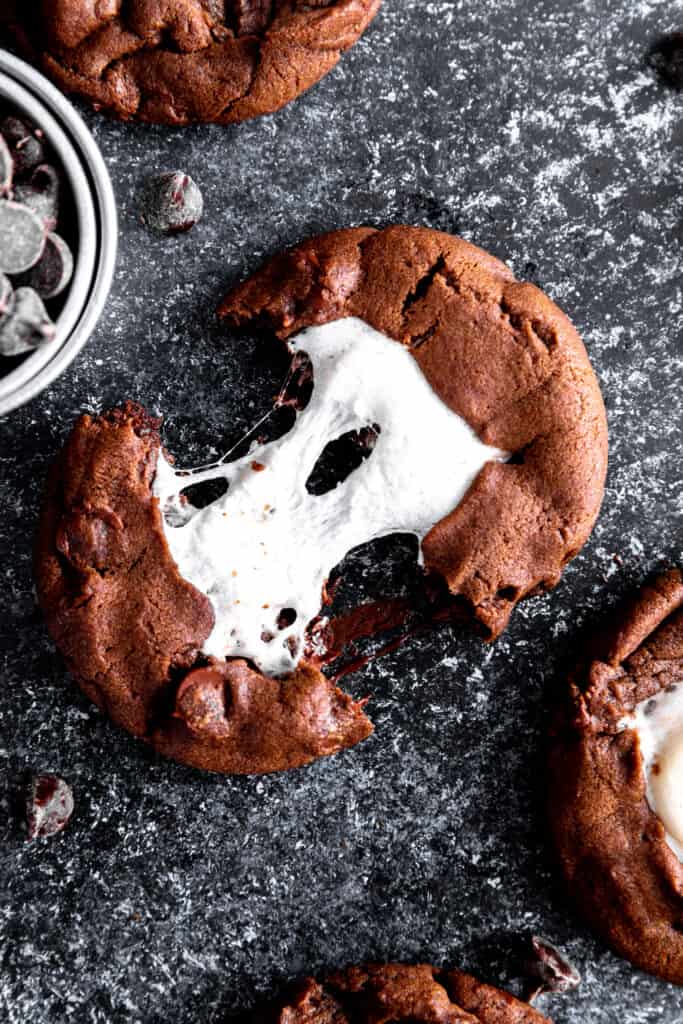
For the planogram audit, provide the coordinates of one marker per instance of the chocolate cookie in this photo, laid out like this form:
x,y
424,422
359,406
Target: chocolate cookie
x,y
475,423
182,61
384,993
615,769
500,355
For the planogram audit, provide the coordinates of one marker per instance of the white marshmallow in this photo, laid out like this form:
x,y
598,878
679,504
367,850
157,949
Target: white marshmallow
x,y
658,722
268,544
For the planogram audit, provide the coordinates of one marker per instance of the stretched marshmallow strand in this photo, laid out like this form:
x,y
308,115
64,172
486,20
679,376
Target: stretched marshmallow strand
x,y
263,551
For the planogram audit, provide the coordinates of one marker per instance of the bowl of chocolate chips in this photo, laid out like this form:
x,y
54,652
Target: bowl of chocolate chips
x,y
58,233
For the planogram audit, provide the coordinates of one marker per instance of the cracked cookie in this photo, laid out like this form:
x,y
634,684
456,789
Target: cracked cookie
x,y
615,770
468,415
184,61
387,993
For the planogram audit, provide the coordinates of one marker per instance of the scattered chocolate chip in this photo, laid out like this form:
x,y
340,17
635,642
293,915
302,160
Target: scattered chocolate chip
x,y
6,168
24,143
26,325
53,271
171,203
666,57
41,194
49,806
22,237
555,972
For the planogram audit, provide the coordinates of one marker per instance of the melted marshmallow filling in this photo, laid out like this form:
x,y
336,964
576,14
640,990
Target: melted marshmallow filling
x,y
658,721
262,552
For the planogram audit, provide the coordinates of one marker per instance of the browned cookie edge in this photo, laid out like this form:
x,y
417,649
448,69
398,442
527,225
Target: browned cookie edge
x,y
384,993
612,852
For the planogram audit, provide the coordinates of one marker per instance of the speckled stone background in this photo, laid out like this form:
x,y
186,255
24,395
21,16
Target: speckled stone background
x,y
536,129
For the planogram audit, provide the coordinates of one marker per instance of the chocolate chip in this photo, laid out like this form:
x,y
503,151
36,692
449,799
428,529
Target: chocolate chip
x,y
24,143
6,168
171,203
84,537
26,325
53,271
49,806
22,237
554,971
41,194
203,702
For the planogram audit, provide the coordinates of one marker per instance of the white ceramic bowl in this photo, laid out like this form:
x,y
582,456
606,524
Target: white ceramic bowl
x,y
25,89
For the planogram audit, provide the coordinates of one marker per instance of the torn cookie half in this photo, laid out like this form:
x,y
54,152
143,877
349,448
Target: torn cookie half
x,y
467,414
614,798
388,993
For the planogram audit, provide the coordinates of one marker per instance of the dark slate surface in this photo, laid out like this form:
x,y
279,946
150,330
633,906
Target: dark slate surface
x,y
536,129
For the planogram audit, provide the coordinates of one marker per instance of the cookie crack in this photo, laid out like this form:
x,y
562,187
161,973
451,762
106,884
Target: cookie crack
x,y
520,323
417,340
423,284
255,68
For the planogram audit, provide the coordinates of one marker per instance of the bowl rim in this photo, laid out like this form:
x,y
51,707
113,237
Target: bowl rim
x,y
99,186
85,256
